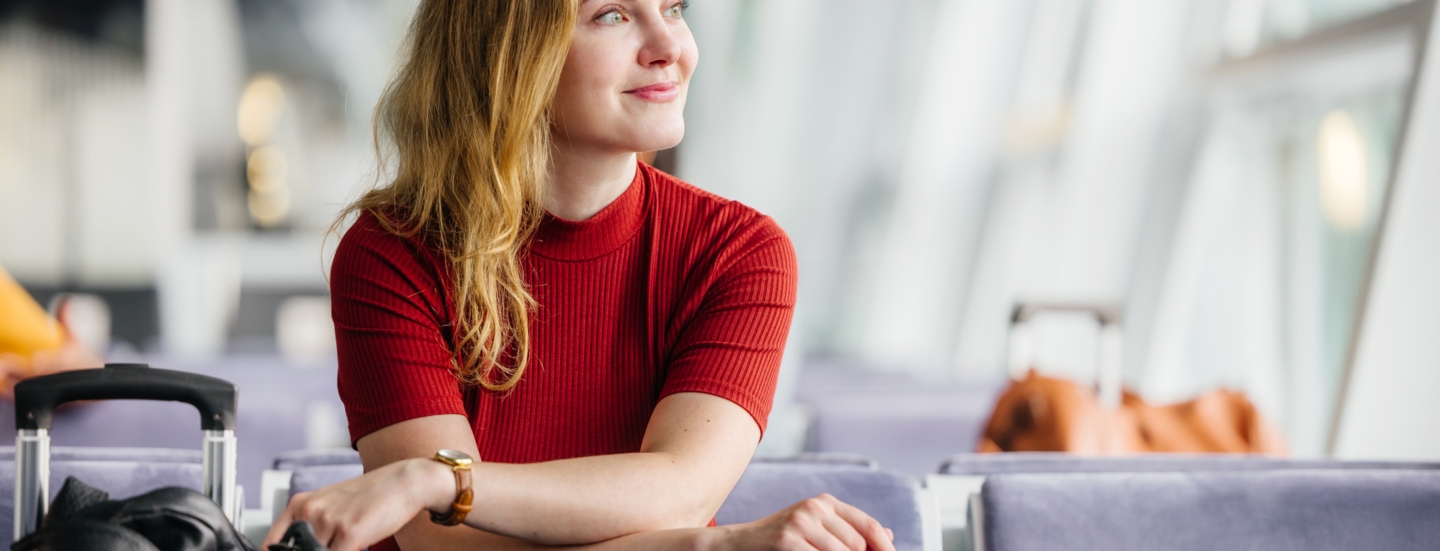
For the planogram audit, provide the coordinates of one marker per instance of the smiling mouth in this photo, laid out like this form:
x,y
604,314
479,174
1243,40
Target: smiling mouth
x,y
659,92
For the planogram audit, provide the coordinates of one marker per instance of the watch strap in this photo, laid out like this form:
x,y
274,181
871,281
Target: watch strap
x,y
464,497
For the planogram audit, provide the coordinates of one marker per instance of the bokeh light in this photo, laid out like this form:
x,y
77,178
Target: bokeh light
x,y
260,107
1344,171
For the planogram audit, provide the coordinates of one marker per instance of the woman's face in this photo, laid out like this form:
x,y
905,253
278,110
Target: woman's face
x,y
625,79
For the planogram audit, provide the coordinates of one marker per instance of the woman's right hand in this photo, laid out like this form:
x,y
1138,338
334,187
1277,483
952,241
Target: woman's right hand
x,y
821,523
350,515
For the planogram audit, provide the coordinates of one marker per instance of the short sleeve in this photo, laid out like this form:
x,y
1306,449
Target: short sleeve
x,y
388,302
732,346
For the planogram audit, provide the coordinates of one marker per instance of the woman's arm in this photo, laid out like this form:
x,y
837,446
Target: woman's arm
x,y
694,451
350,515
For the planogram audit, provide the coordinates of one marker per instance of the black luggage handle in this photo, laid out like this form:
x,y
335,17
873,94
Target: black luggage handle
x,y
37,398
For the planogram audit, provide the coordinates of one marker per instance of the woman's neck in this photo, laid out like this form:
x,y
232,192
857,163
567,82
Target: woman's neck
x,y
582,183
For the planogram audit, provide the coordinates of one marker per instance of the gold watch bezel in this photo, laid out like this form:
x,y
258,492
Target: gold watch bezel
x,y
456,459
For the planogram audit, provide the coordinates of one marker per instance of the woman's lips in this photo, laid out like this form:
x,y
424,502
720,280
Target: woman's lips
x,y
659,92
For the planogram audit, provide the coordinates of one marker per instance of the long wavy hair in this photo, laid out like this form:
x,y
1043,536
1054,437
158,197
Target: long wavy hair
x,y
468,123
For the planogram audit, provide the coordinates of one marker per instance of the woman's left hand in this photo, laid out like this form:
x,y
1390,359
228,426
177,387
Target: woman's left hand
x,y
356,513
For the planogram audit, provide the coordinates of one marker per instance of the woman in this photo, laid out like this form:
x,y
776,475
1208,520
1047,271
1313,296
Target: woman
x,y
604,336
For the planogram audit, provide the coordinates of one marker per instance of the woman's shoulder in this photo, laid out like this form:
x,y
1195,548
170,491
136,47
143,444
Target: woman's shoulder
x,y
685,207
699,228
376,233
377,245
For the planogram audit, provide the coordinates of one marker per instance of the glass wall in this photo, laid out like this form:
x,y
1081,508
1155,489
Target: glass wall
x,y
1270,268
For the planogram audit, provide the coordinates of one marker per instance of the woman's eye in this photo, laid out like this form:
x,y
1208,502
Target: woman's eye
x,y
676,11
611,17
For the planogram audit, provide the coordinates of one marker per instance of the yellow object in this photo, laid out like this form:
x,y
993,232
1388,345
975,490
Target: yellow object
x,y
25,328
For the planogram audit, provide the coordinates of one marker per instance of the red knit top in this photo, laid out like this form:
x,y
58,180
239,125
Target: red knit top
x,y
668,289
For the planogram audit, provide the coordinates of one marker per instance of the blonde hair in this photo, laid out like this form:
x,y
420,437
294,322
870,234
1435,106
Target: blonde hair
x,y
468,119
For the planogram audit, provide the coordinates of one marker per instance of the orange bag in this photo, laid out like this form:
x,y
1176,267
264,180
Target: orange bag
x,y
1040,413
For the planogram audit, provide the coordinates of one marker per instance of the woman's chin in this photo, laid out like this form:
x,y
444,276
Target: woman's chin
x,y
650,140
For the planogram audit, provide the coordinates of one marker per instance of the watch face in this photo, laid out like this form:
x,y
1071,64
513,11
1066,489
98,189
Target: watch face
x,y
453,457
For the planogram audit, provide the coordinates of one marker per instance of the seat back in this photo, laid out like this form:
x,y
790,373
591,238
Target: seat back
x,y
982,464
123,472
293,460
768,487
314,477
1311,510
823,458
905,423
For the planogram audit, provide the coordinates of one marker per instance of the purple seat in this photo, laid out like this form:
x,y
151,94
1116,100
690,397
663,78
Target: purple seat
x,y
314,477
1310,510
984,464
905,424
124,472
770,486
297,459
823,458
150,455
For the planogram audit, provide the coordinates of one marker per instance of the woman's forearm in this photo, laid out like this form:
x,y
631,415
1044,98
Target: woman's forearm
x,y
600,498
695,449
350,515
423,536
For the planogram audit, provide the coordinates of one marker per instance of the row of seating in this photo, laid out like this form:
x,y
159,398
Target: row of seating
x,y
994,502
1013,501
1052,501
1058,501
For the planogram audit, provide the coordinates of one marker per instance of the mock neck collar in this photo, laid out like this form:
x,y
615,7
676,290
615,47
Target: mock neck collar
x,y
599,235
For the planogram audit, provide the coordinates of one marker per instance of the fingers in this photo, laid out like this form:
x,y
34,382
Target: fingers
x,y
304,507
842,531
814,519
876,536
817,524
282,523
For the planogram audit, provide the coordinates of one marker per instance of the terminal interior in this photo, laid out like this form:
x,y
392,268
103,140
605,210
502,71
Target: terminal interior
x,y
1157,200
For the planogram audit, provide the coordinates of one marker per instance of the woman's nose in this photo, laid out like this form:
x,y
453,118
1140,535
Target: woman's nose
x,y
661,48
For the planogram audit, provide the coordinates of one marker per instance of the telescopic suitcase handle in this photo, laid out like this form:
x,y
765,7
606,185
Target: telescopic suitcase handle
x,y
1108,381
37,398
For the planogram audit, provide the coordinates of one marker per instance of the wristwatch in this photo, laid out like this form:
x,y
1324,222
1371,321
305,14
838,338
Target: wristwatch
x,y
459,463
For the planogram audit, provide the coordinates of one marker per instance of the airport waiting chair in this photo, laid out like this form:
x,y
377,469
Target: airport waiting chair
x,y
123,472
1279,510
905,423
294,460
823,458
985,464
768,486
962,476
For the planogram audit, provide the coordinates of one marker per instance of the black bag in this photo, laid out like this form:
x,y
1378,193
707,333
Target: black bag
x,y
83,518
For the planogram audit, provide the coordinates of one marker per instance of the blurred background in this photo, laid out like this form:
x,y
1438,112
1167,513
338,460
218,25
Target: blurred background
x,y
1247,182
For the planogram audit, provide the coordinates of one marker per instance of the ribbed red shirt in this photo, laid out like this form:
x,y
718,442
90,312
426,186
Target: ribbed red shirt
x,y
668,289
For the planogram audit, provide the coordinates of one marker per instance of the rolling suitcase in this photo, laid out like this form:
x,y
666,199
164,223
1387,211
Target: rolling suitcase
x,y
36,400
1052,414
